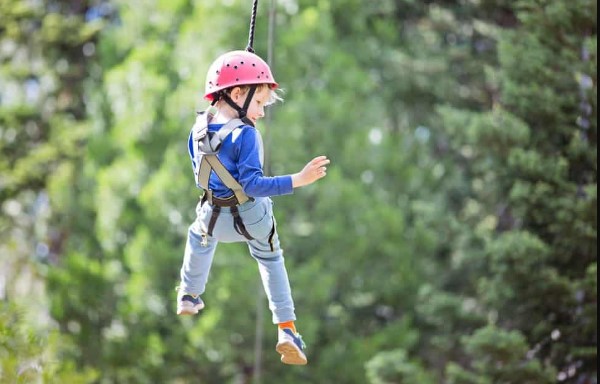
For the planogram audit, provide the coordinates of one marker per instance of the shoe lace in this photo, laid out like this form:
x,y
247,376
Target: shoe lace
x,y
299,336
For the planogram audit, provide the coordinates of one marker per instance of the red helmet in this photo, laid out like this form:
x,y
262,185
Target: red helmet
x,y
237,68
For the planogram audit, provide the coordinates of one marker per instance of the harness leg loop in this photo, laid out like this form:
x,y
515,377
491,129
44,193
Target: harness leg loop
x,y
238,224
213,220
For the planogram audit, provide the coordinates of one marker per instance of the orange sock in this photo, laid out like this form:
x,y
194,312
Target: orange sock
x,y
288,324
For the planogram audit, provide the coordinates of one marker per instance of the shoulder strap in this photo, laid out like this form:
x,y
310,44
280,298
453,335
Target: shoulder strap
x,y
221,134
226,178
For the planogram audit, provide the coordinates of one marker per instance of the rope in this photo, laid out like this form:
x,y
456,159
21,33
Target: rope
x,y
250,47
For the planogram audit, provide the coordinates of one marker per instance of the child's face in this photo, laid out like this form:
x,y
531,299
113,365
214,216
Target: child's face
x,y
256,109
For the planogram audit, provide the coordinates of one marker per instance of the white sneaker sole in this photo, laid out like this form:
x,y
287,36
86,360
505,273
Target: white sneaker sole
x,y
189,309
290,354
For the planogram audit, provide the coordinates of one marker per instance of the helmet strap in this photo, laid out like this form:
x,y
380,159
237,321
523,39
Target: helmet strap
x,y
242,111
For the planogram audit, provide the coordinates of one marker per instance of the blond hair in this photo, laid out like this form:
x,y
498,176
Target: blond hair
x,y
274,96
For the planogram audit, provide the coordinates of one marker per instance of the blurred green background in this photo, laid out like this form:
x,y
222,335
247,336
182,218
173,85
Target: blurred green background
x,y
453,241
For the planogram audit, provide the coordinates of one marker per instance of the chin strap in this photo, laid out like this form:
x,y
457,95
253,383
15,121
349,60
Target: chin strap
x,y
242,111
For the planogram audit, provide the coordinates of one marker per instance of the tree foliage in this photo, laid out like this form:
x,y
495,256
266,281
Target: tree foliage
x,y
454,239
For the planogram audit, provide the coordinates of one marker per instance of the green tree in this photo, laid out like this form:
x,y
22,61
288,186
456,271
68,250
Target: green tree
x,y
532,164
499,356
29,354
46,59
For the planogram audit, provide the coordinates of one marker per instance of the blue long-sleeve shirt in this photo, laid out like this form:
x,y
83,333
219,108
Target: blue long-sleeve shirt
x,y
240,153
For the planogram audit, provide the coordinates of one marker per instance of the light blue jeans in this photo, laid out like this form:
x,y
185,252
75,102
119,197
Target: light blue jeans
x,y
265,249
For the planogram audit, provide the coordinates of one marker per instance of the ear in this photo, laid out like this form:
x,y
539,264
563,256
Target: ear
x,y
236,94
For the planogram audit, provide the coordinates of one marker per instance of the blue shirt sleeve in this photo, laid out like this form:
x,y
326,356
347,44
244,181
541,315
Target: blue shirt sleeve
x,y
251,176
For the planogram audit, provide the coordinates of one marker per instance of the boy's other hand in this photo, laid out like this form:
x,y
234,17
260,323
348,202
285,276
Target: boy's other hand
x,y
315,169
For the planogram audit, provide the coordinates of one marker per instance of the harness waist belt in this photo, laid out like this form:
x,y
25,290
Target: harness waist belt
x,y
231,201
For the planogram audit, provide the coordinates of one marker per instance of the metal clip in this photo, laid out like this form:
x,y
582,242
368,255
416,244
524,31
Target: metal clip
x,y
204,241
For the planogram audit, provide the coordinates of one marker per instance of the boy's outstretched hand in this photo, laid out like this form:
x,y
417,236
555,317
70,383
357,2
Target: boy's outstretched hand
x,y
315,169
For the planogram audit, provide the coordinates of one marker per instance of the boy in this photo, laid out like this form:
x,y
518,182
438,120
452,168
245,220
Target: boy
x,y
236,205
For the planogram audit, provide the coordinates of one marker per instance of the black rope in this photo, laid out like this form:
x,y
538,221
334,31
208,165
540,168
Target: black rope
x,y
250,47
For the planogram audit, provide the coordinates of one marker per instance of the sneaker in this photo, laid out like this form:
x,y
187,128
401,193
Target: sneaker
x,y
188,304
291,346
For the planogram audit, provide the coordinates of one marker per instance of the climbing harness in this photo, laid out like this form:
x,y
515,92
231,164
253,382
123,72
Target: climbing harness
x,y
207,145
